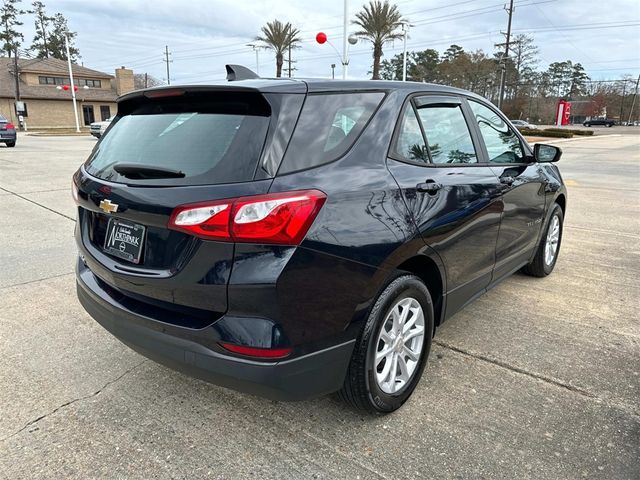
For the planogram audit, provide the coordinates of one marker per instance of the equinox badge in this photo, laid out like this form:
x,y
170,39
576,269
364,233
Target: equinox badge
x,y
108,207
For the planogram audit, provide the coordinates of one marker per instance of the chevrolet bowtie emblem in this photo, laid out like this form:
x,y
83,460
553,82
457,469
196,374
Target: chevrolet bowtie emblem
x,y
108,207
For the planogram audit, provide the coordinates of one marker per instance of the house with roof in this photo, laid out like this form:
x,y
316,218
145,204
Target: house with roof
x,y
45,89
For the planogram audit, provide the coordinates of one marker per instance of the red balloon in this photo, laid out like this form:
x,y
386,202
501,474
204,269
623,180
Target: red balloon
x,y
321,38
65,87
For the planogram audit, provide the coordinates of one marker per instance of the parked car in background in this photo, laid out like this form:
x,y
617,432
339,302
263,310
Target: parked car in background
x,y
97,128
523,125
606,122
8,134
295,238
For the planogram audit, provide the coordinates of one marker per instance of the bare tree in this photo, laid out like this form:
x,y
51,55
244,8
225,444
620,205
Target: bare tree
x,y
144,80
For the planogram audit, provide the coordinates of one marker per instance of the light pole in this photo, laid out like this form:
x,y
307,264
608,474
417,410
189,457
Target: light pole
x,y
345,45
321,38
73,85
333,71
405,29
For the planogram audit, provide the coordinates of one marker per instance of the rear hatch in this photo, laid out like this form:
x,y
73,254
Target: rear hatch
x,y
167,148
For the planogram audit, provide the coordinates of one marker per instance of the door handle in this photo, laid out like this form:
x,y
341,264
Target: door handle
x,y
429,187
507,180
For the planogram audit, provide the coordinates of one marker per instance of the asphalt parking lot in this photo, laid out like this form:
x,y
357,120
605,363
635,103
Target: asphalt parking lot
x,y
539,378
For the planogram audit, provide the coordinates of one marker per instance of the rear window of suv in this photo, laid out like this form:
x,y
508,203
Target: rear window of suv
x,y
328,126
212,140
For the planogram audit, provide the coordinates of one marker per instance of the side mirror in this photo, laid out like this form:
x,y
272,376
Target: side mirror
x,y
546,153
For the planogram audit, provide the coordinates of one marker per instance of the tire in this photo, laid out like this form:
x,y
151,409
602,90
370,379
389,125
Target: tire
x,y
540,266
587,124
11,144
362,388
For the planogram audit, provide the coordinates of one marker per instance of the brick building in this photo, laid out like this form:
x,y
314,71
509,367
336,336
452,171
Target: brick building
x,y
50,107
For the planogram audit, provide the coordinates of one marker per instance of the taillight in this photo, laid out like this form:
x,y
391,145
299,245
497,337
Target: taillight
x,y
203,220
281,218
11,126
257,352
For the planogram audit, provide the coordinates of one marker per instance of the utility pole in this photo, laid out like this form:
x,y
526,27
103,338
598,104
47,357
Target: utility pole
x,y
633,103
16,74
73,85
624,92
146,80
503,74
167,61
333,71
290,62
256,48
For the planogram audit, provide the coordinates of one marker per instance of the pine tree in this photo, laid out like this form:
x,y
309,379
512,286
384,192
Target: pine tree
x,y
579,79
10,38
40,44
59,30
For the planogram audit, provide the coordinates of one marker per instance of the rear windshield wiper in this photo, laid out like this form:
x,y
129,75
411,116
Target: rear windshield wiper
x,y
136,171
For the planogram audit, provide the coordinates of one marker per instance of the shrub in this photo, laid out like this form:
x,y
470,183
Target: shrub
x,y
570,130
546,133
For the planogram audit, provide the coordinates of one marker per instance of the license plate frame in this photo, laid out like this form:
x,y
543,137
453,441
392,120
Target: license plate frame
x,y
125,240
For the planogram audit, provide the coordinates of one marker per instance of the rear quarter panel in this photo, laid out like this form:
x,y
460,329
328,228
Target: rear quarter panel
x,y
363,232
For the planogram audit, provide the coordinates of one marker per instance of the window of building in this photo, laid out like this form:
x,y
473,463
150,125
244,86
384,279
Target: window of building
x,y
80,82
105,112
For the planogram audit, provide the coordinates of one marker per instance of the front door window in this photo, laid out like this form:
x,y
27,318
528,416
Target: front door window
x,y
503,145
448,135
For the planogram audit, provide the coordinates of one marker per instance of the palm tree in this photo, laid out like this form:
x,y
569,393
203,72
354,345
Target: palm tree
x,y
379,22
279,37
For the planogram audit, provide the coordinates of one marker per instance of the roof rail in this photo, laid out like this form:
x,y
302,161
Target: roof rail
x,y
238,72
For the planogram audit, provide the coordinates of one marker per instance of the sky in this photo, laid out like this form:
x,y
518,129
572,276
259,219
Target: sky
x,y
204,35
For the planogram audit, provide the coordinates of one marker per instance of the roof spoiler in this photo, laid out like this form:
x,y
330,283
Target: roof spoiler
x,y
238,72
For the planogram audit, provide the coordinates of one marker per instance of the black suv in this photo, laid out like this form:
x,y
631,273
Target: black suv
x,y
293,238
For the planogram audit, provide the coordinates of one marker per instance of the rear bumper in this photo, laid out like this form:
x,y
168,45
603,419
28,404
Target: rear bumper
x,y
311,375
8,137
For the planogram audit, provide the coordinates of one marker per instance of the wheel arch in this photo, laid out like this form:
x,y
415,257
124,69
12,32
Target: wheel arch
x,y
432,274
561,200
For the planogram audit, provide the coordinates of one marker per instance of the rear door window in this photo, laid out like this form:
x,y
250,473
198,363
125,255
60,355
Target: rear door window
x,y
410,141
212,141
329,125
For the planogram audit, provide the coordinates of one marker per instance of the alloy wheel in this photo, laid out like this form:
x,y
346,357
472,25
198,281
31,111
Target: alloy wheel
x,y
399,345
553,239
